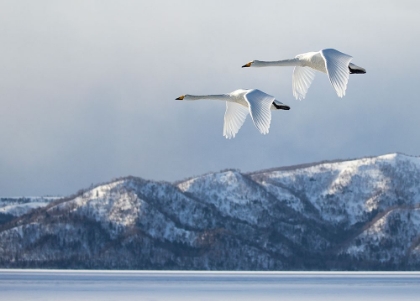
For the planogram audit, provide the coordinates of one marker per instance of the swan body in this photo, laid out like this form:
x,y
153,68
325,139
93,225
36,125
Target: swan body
x,y
241,102
330,61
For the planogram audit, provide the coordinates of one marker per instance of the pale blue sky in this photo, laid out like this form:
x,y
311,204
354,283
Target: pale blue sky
x,y
88,88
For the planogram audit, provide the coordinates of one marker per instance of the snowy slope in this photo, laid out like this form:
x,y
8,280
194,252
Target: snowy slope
x,y
232,193
348,191
18,206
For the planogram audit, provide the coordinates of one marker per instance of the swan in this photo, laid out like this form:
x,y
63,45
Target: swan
x,y
241,102
333,62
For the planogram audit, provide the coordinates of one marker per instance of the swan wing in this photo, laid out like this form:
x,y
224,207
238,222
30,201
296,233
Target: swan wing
x,y
302,80
337,65
235,116
259,108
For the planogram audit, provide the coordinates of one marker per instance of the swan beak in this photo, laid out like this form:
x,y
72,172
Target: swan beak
x,y
247,65
180,98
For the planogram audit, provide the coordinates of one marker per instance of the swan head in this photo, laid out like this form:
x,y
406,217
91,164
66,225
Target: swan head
x,y
180,98
248,64
254,63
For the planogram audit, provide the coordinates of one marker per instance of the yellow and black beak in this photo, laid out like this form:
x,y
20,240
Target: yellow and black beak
x,y
180,98
247,65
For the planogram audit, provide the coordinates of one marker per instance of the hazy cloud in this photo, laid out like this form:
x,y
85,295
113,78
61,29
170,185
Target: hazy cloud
x,y
87,88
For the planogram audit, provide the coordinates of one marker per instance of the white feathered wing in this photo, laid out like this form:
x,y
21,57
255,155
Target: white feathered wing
x,y
259,108
235,116
337,65
302,80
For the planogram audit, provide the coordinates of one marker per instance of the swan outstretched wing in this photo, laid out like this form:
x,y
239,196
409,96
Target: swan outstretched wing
x,y
259,108
302,80
337,65
235,116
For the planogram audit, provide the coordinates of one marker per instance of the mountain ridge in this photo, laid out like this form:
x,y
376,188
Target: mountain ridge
x,y
358,214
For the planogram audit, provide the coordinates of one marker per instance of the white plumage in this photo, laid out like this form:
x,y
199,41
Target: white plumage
x,y
241,102
333,62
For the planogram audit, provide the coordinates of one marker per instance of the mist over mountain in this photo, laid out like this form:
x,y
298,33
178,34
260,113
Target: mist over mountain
x,y
361,214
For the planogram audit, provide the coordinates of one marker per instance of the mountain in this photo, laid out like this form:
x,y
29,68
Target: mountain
x,y
361,214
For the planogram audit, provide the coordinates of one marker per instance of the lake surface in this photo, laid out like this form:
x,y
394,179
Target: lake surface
x,y
156,285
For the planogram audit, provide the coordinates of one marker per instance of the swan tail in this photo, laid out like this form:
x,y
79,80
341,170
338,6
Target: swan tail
x,y
280,106
354,69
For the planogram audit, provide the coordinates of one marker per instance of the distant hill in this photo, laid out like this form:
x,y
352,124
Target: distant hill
x,y
361,214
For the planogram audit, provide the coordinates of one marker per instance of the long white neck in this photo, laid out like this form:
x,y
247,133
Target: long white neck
x,y
290,62
214,96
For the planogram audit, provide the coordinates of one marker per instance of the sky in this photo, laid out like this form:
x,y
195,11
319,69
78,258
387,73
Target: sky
x,y
88,88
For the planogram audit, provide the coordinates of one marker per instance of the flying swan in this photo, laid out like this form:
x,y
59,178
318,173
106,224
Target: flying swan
x,y
333,62
239,103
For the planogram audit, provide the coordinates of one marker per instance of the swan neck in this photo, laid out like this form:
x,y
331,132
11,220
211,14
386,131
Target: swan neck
x,y
213,96
289,62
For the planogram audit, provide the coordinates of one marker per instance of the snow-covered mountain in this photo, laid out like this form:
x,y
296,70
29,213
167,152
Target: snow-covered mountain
x,y
345,215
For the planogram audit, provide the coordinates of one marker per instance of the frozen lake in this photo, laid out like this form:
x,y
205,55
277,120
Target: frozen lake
x,y
155,285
